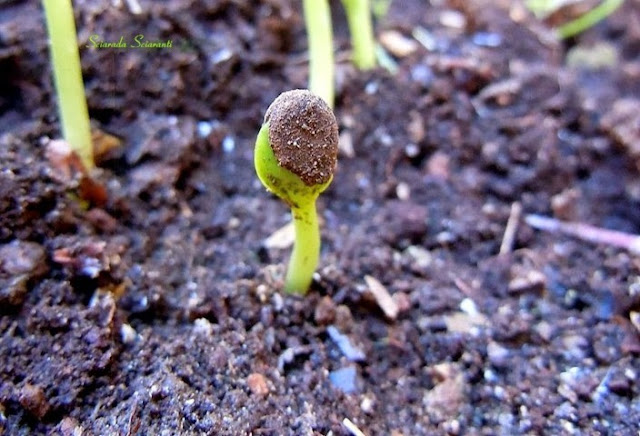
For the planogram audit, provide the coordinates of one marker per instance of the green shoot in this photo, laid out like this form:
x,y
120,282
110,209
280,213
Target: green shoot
x,y
67,74
583,22
361,29
543,8
295,157
320,35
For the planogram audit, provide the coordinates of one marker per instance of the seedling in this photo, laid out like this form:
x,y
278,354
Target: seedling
x,y
295,157
320,35
361,30
543,8
67,75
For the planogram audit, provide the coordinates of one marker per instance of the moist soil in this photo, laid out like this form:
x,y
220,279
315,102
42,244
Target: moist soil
x,y
147,299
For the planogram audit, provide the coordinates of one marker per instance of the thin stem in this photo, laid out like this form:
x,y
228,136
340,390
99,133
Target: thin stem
x,y
361,29
585,232
320,35
67,74
590,18
306,249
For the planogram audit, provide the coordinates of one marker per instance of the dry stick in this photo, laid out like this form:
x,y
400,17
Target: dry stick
x,y
586,232
511,228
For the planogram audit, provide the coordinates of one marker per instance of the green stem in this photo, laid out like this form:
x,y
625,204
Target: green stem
x,y
582,23
320,36
306,249
67,74
361,29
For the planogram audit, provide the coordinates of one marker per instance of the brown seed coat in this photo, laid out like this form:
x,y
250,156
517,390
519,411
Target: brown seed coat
x,y
303,134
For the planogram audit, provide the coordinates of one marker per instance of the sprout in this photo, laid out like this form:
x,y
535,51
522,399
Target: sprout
x,y
362,42
317,18
67,74
295,157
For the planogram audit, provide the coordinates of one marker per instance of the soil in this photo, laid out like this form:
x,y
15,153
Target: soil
x,y
145,300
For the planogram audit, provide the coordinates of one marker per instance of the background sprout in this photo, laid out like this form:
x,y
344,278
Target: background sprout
x,y
67,75
543,8
320,35
361,30
295,157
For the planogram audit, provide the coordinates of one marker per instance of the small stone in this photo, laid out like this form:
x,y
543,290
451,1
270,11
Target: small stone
x,y
402,300
531,282
564,204
403,192
635,319
438,166
545,330
367,404
420,256
281,238
344,318
128,335
498,355
325,311
446,398
453,19
32,398
70,427
22,257
343,342
257,384
13,290
345,379
575,346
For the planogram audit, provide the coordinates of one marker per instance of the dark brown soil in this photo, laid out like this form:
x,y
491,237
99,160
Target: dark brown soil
x,y
155,310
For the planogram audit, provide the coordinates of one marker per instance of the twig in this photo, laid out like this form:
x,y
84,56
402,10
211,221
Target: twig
x,y
511,228
352,428
585,232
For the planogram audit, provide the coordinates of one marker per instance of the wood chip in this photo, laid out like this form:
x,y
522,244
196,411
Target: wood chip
x,y
635,319
382,297
345,145
352,428
397,44
281,238
460,322
511,228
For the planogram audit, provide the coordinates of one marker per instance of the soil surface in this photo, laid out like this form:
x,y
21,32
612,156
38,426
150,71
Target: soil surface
x,y
146,300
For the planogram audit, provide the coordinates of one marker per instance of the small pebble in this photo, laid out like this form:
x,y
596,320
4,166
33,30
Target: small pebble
x,y
70,427
128,335
32,398
343,342
403,192
204,128
498,355
345,379
257,384
487,39
325,311
411,150
202,326
453,19
21,257
228,144
367,404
